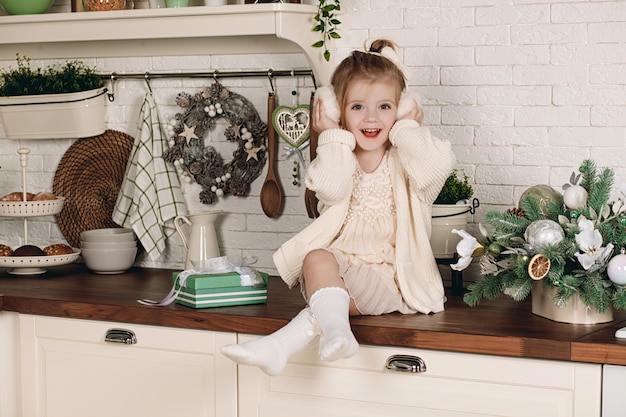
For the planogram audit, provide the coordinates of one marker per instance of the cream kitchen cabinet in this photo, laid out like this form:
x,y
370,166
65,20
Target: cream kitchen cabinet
x,y
68,369
454,384
9,368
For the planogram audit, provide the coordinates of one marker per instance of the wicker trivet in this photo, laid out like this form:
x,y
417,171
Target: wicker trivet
x,y
89,176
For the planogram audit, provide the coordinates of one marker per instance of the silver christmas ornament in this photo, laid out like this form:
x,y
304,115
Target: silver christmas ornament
x,y
575,197
616,269
542,233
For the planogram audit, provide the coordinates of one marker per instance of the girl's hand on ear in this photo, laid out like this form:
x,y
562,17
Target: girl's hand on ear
x,y
416,113
420,115
320,120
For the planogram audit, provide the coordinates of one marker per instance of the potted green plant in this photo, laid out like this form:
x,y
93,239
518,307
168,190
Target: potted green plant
x,y
55,102
450,212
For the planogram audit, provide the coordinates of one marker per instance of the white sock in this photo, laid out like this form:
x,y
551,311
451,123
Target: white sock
x,y
271,352
330,306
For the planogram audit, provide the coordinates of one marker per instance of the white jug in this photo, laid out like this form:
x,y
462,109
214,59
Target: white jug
x,y
201,244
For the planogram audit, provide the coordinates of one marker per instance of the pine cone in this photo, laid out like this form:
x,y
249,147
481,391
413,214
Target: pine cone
x,y
207,197
516,212
183,99
239,187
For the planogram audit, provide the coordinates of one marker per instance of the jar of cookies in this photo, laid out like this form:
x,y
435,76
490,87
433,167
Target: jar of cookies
x,y
103,5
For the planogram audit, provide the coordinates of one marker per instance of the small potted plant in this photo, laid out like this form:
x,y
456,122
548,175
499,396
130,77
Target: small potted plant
x,y
43,103
450,212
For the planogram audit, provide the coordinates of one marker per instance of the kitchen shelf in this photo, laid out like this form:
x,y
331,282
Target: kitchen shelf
x,y
202,30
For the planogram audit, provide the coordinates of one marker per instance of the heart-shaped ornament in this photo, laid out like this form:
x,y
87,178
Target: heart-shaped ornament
x,y
292,124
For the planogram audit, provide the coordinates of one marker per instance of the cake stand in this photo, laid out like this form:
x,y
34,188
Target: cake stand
x,y
31,265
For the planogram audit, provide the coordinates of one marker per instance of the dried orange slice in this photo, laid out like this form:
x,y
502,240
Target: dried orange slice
x,y
538,267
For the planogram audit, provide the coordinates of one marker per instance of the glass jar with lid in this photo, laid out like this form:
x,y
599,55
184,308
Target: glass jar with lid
x,y
102,5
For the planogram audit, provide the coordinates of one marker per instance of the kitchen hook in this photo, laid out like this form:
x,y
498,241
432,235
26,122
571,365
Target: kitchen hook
x,y
271,79
215,77
111,94
294,89
147,78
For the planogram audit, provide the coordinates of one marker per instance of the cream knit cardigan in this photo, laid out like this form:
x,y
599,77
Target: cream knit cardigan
x,y
419,164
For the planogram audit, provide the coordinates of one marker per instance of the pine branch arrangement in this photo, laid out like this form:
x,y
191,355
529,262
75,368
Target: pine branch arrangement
x,y
566,241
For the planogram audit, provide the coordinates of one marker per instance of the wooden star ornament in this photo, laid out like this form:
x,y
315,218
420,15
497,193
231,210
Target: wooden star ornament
x,y
253,153
189,133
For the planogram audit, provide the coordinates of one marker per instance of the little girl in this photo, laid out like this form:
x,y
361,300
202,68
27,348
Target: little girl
x,y
376,176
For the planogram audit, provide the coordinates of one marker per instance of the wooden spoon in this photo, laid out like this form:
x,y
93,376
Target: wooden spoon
x,y
271,191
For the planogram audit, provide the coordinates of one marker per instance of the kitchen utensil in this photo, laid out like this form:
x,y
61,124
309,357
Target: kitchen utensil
x,y
88,244
20,7
271,191
111,235
177,3
103,5
109,261
310,201
31,208
201,243
32,265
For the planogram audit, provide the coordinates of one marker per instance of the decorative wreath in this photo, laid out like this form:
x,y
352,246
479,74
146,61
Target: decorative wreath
x,y
204,164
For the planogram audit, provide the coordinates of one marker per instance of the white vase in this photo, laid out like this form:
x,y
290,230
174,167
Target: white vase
x,y
201,240
446,217
54,116
574,312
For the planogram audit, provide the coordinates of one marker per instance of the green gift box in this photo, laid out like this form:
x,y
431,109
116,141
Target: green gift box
x,y
219,290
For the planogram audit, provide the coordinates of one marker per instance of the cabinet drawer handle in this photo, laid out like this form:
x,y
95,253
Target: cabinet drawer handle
x,y
121,336
406,363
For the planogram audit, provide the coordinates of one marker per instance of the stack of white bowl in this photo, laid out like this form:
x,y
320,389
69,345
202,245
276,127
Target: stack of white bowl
x,y
108,251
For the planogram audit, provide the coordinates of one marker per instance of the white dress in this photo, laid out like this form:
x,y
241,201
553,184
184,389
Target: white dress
x,y
364,248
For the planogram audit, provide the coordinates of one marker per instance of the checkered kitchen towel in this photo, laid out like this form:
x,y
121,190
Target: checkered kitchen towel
x,y
151,196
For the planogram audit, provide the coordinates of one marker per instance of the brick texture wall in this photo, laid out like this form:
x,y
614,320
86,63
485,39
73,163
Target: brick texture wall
x,y
524,89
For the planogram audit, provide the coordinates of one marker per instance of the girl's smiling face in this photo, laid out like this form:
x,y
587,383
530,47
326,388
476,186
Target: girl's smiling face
x,y
370,113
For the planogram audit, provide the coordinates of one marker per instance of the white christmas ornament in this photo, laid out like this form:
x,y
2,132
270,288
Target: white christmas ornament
x,y
616,269
575,197
541,233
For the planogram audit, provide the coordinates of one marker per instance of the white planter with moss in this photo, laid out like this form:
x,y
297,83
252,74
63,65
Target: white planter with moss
x,y
54,116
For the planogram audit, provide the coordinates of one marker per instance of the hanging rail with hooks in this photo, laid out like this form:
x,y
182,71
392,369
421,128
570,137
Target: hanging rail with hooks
x,y
216,75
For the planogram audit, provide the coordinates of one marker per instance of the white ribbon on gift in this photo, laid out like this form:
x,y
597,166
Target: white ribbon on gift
x,y
248,276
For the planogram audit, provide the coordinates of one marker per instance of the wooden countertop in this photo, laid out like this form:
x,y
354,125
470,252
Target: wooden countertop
x,y
499,327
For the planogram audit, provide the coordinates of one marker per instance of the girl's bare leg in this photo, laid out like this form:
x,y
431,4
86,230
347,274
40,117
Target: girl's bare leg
x,y
331,305
320,269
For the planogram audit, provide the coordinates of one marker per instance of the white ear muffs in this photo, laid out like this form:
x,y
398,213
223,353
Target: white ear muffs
x,y
331,106
407,102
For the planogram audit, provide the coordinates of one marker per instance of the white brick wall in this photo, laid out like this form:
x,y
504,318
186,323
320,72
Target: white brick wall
x,y
524,89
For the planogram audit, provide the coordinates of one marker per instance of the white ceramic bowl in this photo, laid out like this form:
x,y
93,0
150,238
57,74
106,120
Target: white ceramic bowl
x,y
109,261
108,235
87,244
